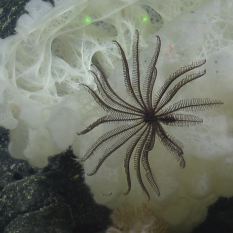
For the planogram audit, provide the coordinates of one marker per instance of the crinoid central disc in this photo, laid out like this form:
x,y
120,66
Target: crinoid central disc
x,y
149,117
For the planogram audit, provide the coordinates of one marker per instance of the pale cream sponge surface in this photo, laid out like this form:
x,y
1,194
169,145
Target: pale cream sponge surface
x,y
44,107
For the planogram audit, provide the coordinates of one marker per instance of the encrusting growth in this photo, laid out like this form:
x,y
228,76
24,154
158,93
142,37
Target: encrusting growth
x,y
137,219
145,117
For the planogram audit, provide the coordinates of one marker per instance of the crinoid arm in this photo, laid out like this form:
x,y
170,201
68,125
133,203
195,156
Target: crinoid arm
x,y
126,136
195,104
173,145
136,71
110,135
107,93
180,120
160,101
151,75
145,160
137,159
170,94
129,153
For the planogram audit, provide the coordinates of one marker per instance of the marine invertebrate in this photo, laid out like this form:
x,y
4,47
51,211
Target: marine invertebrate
x,y
146,115
136,219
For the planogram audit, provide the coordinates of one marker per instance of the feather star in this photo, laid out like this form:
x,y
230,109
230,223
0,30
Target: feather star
x,y
146,116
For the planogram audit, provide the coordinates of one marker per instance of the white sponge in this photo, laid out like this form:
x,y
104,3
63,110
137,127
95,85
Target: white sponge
x,y
37,8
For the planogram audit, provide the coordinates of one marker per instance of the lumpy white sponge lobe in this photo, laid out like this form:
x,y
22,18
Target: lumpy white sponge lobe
x,y
42,104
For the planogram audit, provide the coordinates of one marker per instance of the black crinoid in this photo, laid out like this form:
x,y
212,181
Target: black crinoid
x,y
146,116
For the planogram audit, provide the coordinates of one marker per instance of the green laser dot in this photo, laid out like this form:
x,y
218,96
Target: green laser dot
x,y
88,20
